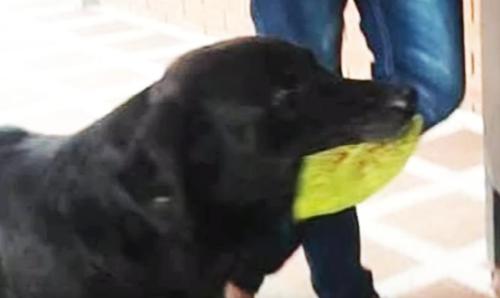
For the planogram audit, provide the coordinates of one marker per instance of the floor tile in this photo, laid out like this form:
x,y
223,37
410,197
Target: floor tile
x,y
382,261
402,183
458,151
451,221
106,28
445,289
63,61
67,15
146,43
105,79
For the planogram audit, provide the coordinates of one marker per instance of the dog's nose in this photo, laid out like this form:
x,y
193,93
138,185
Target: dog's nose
x,y
403,99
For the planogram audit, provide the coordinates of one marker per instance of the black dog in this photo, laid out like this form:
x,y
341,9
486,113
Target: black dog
x,y
161,198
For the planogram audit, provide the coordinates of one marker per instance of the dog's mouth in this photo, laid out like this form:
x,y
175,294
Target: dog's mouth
x,y
413,126
381,133
406,128
389,130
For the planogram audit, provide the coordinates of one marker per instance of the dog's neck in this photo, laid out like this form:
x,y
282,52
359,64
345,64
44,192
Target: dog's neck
x,y
157,169
122,126
234,196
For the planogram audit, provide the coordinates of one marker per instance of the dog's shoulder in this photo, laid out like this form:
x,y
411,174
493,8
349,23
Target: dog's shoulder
x,y
17,143
10,135
10,140
24,158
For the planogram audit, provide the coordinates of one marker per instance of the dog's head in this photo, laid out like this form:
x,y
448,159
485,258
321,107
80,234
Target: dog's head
x,y
250,108
271,97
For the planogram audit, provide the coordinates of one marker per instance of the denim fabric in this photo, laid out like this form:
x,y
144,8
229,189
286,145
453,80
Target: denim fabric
x,y
332,248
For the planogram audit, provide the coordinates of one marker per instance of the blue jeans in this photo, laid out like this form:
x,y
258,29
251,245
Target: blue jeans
x,y
415,42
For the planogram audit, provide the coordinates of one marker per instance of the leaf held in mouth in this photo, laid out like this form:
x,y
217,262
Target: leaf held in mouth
x,y
339,178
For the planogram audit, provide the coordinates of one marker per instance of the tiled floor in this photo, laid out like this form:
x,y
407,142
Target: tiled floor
x,y
61,68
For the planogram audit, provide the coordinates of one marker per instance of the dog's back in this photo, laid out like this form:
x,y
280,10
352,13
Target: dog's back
x,y
24,259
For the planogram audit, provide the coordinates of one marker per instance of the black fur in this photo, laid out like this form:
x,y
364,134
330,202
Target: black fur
x,y
166,195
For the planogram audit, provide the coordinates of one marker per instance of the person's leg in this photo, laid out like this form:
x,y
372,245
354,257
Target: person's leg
x,y
314,24
332,247
420,44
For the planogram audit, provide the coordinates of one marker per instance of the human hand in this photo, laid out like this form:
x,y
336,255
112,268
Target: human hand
x,y
233,291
